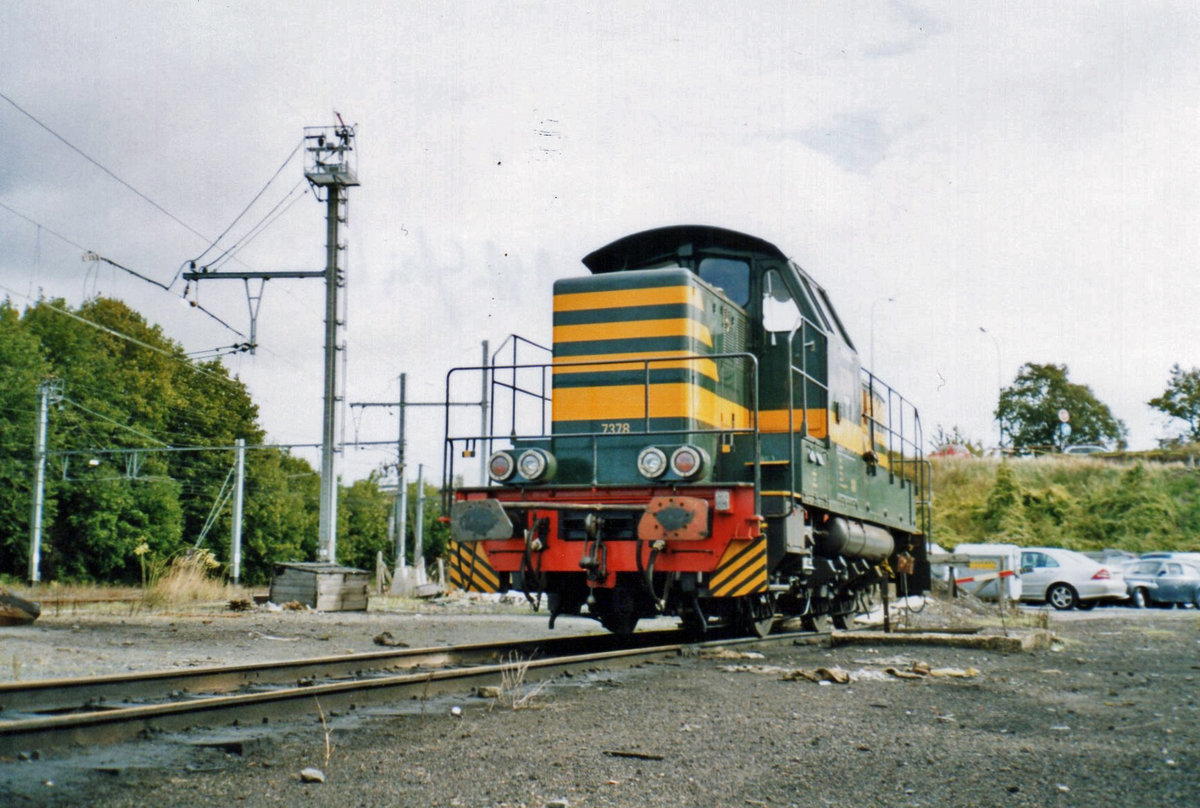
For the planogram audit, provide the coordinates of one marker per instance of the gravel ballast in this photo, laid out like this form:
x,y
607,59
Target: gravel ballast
x,y
1105,715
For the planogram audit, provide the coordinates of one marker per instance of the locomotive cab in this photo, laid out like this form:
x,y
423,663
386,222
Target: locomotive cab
x,y
714,449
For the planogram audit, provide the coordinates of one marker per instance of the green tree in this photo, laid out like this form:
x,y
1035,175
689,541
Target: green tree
x,y
435,532
1132,513
362,523
218,411
22,368
117,396
127,387
281,514
1181,400
1029,411
1004,515
103,516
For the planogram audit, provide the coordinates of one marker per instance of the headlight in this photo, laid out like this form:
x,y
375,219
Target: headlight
x,y
651,462
536,465
687,461
501,466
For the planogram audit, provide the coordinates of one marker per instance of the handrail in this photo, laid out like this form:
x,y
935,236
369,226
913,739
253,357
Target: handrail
x,y
516,341
543,399
905,454
806,378
905,439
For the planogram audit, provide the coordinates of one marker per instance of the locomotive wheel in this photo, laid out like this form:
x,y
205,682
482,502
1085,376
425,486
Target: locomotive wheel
x,y
757,614
693,621
620,624
617,609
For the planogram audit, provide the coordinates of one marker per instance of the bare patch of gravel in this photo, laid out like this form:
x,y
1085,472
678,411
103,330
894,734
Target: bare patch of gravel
x,y
115,639
1107,717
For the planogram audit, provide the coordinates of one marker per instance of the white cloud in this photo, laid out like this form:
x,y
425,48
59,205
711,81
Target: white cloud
x,y
1028,168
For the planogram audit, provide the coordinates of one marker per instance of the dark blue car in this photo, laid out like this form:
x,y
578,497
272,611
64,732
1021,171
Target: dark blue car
x,y
1162,582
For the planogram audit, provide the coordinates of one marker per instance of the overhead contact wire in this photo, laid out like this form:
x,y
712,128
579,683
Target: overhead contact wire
x,y
103,417
113,264
225,232
100,166
126,337
258,229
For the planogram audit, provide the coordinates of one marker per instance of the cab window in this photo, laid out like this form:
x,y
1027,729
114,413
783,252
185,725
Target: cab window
x,y
833,316
812,309
779,312
729,275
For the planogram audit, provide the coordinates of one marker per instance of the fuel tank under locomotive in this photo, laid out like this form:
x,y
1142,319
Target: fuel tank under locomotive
x,y
840,574
853,539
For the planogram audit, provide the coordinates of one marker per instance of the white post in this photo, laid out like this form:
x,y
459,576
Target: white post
x,y
327,518
400,575
239,485
419,528
483,446
402,526
39,483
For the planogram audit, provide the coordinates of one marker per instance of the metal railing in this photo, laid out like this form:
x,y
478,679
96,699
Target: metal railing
x,y
901,432
508,377
904,442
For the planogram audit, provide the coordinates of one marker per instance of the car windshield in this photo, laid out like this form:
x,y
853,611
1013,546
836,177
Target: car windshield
x,y
1144,568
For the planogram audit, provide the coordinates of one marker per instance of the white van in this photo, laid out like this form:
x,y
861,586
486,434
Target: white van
x,y
988,565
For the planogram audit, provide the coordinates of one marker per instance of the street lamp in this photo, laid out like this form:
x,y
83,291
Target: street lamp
x,y
873,303
999,386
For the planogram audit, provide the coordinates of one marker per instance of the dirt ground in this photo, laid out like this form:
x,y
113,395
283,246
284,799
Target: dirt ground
x,y
1106,716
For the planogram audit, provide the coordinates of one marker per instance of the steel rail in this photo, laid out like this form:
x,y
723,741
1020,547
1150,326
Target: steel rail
x,y
81,694
291,703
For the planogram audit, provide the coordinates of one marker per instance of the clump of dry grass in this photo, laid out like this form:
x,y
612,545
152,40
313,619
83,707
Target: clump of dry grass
x,y
186,579
514,692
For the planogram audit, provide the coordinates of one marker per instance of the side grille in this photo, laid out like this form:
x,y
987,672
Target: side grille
x,y
735,339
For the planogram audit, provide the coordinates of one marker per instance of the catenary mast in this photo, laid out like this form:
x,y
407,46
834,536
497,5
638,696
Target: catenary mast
x,y
329,168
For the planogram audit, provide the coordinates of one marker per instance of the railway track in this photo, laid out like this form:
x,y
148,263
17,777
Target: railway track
x,y
46,714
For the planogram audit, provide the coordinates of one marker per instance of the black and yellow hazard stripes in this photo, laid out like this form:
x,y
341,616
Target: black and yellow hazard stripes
x,y
741,571
468,568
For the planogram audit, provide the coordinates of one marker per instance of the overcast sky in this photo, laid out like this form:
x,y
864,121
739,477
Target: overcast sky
x,y
1029,168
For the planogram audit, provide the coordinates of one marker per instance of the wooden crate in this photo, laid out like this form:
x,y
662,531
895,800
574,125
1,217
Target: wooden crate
x,y
324,587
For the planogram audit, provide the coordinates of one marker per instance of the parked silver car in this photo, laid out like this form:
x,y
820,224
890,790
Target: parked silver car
x,y
1066,579
1159,582
1163,555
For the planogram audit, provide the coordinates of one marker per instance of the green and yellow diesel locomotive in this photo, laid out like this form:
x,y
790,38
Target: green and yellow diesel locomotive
x,y
703,442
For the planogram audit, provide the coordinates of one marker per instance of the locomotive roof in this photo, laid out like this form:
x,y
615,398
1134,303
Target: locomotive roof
x,y
642,249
